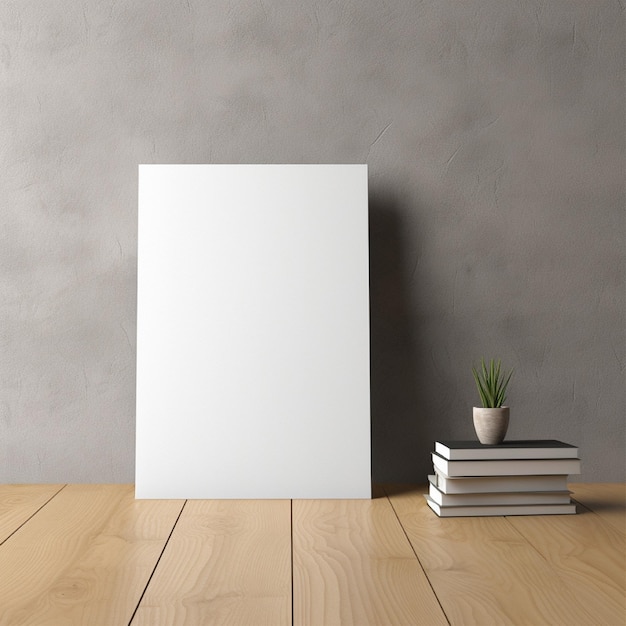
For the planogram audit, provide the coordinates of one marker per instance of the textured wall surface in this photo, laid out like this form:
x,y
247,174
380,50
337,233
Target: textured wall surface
x,y
494,135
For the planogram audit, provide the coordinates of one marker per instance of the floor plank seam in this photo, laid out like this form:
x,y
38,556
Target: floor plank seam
x,y
416,556
292,594
528,541
54,495
587,508
604,523
509,520
156,565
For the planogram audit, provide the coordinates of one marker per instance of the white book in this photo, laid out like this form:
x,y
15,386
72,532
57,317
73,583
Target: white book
x,y
491,484
514,449
498,467
496,498
499,510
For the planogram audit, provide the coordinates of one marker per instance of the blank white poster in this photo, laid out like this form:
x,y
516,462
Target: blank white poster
x,y
253,332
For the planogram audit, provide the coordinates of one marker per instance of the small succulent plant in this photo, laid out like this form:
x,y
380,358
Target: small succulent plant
x,y
492,383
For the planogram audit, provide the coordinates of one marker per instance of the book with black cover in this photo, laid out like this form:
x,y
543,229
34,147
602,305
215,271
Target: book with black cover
x,y
496,498
514,449
493,484
506,467
518,509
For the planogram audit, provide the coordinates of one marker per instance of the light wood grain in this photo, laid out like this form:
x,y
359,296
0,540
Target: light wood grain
x,y
483,571
18,503
608,500
589,557
227,562
84,555
85,558
354,566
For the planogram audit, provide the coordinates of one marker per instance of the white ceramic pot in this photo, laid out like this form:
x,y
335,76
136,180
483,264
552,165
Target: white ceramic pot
x,y
491,424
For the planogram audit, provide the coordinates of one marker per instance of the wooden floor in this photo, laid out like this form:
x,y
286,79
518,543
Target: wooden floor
x,y
92,555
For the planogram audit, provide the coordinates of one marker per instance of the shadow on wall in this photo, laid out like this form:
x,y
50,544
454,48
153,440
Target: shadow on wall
x,y
401,437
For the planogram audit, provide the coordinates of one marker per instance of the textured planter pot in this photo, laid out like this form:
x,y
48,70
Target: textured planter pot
x,y
491,424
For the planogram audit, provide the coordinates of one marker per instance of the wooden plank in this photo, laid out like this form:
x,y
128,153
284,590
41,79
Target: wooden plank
x,y
482,570
354,566
608,500
227,562
20,502
589,555
85,558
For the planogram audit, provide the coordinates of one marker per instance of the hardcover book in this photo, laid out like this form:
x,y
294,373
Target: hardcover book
x,y
520,449
481,511
500,484
505,467
496,498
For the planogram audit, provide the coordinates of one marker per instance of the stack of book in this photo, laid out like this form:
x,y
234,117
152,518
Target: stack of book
x,y
512,478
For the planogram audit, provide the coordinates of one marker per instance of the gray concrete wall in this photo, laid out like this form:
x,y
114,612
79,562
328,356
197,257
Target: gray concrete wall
x,y
494,134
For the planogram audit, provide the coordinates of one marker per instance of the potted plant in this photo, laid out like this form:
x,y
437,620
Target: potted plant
x,y
492,419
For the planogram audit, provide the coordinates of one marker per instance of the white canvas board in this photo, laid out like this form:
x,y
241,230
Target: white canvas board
x,y
253,332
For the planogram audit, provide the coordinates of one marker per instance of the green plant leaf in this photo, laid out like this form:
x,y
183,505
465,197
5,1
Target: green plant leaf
x,y
491,382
